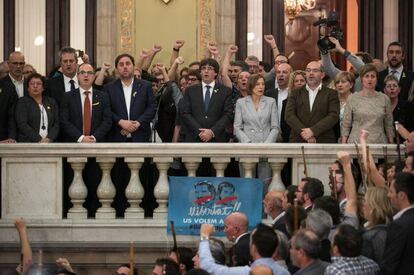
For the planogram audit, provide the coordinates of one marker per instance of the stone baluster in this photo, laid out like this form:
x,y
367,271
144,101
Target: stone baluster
x,y
77,190
248,164
162,189
191,164
134,191
106,189
277,166
220,165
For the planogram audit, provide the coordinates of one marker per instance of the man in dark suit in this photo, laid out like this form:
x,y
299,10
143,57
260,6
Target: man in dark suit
x,y
82,123
280,94
132,103
395,57
313,110
207,107
235,227
399,248
273,206
56,87
15,76
8,100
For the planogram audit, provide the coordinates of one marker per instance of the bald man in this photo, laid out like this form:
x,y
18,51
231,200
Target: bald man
x,y
273,207
235,227
313,110
261,270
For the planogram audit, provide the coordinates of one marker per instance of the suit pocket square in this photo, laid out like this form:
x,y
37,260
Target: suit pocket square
x,y
95,104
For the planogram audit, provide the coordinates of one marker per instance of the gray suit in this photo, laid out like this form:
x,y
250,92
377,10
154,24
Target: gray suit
x,y
251,126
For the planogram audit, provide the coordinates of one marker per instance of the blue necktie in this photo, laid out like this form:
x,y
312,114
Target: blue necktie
x,y
207,98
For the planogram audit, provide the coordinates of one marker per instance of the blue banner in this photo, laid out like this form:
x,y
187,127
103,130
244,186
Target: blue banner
x,y
197,200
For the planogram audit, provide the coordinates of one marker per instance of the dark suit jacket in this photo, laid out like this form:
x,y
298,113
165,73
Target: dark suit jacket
x,y
8,100
405,83
217,118
71,118
166,114
399,248
55,88
284,127
8,80
280,225
142,109
239,253
28,119
322,119
270,85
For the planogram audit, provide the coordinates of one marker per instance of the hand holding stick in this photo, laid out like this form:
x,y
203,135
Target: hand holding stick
x,y
175,247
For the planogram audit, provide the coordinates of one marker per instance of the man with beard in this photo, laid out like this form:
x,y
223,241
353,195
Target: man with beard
x,y
395,57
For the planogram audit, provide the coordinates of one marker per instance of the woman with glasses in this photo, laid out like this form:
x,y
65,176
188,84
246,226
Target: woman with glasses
x,y
36,115
368,110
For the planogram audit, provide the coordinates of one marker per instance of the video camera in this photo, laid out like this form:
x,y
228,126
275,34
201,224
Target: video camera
x,y
332,24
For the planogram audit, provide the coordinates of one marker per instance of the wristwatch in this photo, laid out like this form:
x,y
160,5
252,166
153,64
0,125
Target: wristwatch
x,y
202,238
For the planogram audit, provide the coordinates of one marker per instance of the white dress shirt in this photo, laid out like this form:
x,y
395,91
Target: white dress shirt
x,y
398,72
312,94
67,80
19,85
283,94
43,122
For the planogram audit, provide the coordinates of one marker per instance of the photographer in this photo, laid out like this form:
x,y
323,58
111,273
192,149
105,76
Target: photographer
x,y
355,61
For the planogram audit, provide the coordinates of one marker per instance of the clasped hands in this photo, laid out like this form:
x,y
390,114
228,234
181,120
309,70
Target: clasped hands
x,y
205,134
307,134
128,126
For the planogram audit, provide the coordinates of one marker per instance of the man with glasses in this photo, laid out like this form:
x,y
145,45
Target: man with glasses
x,y
207,107
56,87
15,77
313,110
77,122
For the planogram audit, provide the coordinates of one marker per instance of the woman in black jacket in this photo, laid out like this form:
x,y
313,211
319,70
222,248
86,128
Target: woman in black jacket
x,y
36,115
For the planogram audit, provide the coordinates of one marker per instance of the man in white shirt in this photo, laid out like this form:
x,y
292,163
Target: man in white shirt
x,y
16,64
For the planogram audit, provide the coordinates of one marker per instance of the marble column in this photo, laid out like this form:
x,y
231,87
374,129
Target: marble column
x,y
106,189
254,28
220,165
191,164
134,191
225,24
161,190
277,166
77,190
248,164
390,24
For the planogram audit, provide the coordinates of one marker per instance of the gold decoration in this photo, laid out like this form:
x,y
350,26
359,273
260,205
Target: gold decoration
x,y
293,7
127,29
206,25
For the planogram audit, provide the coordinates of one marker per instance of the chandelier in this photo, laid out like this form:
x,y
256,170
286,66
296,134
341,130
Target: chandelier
x,y
293,7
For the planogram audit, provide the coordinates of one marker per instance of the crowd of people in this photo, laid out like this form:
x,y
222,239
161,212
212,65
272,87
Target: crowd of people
x,y
363,227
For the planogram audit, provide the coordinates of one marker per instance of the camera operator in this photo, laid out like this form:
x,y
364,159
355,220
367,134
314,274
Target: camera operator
x,y
355,61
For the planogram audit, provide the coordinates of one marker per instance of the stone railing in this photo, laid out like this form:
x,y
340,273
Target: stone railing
x,y
31,176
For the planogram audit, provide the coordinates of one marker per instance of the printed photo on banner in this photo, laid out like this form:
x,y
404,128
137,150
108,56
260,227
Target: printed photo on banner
x,y
197,200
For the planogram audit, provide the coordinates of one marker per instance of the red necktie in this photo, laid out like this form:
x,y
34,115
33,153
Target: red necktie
x,y
87,115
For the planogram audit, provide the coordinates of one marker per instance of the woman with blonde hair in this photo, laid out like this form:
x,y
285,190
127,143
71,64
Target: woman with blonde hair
x,y
297,79
377,211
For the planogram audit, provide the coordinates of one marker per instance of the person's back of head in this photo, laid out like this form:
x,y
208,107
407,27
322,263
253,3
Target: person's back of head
x,y
217,250
183,256
331,206
166,266
307,241
404,182
260,269
126,268
320,222
347,241
283,246
264,240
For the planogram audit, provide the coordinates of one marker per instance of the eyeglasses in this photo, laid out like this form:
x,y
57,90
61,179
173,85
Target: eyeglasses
x,y
192,79
18,63
308,70
388,86
86,72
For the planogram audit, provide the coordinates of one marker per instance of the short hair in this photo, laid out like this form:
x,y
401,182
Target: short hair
x,y
313,187
83,64
396,43
185,256
391,77
348,240
355,172
194,63
265,240
381,209
282,54
195,73
266,66
404,182
170,267
37,76
67,50
252,58
242,64
367,68
330,206
127,265
218,250
251,83
210,62
283,246
197,271
124,55
291,190
365,57
348,76
320,222
290,218
308,241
